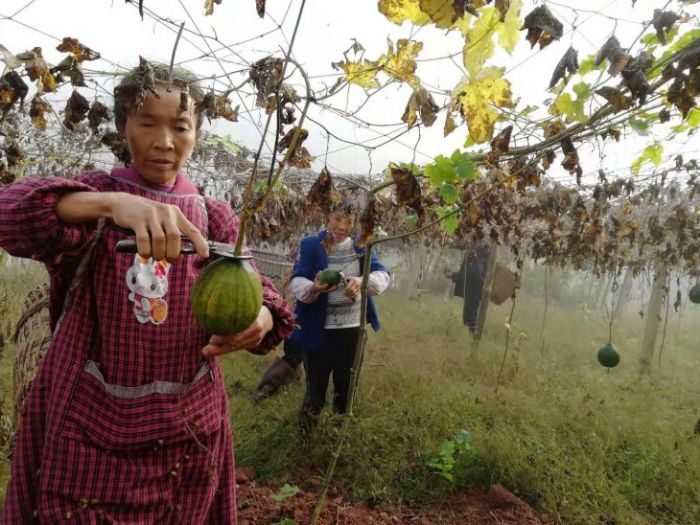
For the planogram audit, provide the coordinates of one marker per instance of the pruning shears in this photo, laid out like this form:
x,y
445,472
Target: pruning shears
x,y
220,249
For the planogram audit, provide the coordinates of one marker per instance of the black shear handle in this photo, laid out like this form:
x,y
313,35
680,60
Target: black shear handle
x,y
129,246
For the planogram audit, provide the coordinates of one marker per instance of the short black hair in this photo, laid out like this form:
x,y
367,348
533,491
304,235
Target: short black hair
x,y
344,206
181,79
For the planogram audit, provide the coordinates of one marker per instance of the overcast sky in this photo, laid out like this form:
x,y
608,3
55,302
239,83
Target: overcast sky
x,y
327,28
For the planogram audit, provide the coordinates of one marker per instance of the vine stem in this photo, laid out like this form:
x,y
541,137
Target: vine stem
x,y
354,377
509,327
248,209
544,314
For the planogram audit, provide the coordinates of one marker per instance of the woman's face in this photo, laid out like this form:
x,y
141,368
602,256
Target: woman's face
x,y
161,137
340,225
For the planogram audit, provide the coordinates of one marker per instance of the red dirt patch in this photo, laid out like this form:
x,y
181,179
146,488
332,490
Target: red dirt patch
x,y
495,506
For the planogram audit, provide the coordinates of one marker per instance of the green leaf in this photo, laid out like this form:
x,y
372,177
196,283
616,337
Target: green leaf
x,y
223,140
641,126
411,220
450,225
685,39
573,109
440,171
465,167
650,39
588,64
463,440
680,128
650,154
693,118
286,491
449,193
414,169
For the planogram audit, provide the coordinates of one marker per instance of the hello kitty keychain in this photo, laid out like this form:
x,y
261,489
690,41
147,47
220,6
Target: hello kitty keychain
x,y
147,281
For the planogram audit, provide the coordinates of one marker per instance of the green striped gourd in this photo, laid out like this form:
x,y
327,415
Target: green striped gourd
x,y
227,296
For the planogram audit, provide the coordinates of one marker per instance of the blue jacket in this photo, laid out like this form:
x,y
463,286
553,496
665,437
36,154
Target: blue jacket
x,y
312,317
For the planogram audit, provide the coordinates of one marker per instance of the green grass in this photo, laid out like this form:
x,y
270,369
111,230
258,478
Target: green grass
x,y
581,444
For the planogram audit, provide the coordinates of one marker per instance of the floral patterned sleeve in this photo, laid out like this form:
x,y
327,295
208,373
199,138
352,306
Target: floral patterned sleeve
x,y
223,227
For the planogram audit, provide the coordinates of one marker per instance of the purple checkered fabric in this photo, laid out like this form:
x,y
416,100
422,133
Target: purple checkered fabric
x,y
125,422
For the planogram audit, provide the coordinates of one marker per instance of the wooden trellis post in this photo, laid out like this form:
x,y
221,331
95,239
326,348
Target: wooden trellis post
x,y
624,293
485,292
653,319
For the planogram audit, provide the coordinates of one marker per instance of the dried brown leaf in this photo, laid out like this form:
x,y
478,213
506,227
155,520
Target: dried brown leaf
x,y
503,6
408,191
616,99
12,89
266,75
370,218
116,142
209,6
76,111
450,124
214,106
614,54
663,21
420,103
133,94
322,193
568,65
636,81
36,112
97,115
77,50
542,26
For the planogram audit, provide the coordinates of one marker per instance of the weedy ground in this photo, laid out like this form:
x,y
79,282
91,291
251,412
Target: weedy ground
x,y
582,444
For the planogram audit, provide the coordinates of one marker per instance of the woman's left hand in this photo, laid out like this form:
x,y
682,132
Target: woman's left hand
x,y
245,340
352,287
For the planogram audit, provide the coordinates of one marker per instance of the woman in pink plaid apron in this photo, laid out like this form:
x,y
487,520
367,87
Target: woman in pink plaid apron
x,y
127,420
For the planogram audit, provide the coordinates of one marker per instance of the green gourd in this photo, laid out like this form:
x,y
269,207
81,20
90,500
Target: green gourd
x,y
694,294
226,297
608,356
330,276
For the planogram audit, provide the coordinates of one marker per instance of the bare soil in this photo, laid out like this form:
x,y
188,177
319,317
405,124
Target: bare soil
x,y
485,506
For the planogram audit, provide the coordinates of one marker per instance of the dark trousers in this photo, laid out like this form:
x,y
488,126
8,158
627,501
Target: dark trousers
x,y
293,353
336,358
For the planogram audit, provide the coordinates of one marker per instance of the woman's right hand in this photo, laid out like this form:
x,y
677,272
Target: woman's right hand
x,y
158,226
319,287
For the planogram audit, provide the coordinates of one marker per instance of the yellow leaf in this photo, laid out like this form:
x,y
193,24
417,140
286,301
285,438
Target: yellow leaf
x,y
442,13
479,46
463,24
402,63
398,11
476,98
509,30
480,38
361,73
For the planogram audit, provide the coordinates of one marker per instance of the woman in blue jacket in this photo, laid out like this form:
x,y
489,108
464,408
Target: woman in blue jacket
x,y
329,316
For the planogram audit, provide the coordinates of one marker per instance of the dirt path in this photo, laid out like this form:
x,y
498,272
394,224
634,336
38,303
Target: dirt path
x,y
493,506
